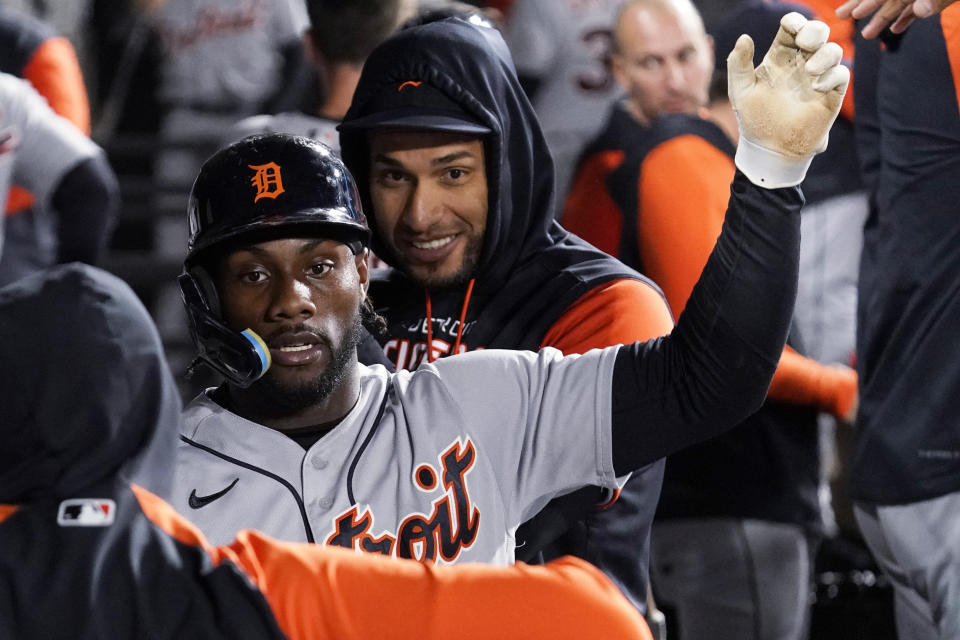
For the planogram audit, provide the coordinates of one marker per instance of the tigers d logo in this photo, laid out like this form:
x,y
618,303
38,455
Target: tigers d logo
x,y
266,179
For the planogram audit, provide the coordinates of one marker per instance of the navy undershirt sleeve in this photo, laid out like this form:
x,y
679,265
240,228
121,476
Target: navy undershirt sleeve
x,y
714,369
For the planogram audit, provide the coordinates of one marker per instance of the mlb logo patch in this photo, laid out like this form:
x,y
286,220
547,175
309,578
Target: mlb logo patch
x,y
86,512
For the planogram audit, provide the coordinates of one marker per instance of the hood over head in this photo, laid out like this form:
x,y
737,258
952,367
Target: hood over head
x,y
86,396
468,83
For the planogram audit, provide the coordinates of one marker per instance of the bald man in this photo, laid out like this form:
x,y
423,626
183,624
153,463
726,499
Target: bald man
x,y
663,58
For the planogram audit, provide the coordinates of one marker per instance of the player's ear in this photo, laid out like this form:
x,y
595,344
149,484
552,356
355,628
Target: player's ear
x,y
362,259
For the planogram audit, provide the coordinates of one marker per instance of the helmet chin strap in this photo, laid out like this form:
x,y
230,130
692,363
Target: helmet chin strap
x,y
241,357
263,352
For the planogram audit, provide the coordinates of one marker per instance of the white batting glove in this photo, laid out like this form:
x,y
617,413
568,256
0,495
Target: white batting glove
x,y
786,106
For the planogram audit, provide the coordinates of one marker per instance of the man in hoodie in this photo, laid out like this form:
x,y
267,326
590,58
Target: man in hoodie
x,y
443,463
478,262
90,412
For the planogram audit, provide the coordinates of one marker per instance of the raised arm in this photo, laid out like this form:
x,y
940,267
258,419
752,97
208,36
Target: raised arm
x,y
715,368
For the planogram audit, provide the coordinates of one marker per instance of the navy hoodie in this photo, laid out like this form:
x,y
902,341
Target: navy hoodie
x,y
88,409
530,270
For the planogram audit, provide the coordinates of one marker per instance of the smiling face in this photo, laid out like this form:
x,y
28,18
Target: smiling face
x,y
429,195
302,296
664,59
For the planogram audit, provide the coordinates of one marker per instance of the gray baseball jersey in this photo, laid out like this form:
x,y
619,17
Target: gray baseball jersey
x,y
440,464
566,44
48,146
222,53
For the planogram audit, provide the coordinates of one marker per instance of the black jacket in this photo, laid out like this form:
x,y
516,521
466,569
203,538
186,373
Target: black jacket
x,y
907,444
530,271
86,412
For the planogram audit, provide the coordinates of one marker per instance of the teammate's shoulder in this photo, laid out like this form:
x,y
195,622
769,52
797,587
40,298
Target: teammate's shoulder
x,y
673,125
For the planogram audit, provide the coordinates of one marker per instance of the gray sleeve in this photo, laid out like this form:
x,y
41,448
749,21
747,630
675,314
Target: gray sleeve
x,y
49,145
542,419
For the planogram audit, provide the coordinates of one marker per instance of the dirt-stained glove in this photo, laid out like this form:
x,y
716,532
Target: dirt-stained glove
x,y
785,106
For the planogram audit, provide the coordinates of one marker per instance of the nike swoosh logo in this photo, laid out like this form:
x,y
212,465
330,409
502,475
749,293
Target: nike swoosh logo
x,y
196,501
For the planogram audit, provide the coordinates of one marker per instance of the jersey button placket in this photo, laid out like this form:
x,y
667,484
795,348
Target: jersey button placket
x,y
318,482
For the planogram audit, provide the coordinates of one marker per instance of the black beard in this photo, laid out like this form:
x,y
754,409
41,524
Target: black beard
x,y
284,399
471,258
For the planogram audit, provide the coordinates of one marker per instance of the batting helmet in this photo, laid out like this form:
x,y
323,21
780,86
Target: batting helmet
x,y
275,184
261,187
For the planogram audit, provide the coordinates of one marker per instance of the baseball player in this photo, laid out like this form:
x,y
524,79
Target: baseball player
x,y
442,464
31,49
86,552
905,456
71,182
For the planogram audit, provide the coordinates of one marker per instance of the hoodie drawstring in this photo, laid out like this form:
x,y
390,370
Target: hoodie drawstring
x,y
463,316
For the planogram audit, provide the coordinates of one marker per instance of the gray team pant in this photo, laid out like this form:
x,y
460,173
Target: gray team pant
x,y
825,317
731,578
918,547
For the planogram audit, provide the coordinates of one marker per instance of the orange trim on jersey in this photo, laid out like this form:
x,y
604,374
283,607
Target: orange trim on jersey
x,y
7,510
170,521
55,73
18,199
589,211
684,187
950,23
617,312
602,506
159,511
